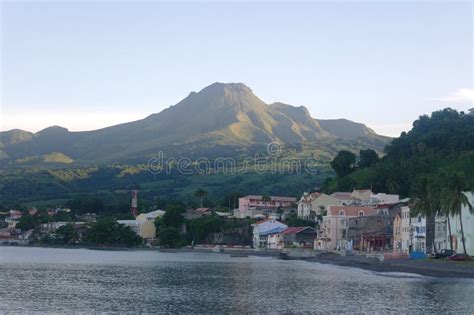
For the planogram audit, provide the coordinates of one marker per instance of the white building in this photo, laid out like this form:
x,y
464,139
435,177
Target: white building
x,y
413,232
441,233
418,233
312,205
383,198
144,229
262,229
468,227
150,216
405,229
275,241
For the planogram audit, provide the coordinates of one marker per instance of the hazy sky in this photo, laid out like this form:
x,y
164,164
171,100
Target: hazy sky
x,y
88,65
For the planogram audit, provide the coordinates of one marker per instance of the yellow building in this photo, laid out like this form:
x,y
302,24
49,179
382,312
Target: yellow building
x,y
145,229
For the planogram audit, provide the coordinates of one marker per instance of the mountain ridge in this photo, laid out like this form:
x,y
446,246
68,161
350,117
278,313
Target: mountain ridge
x,y
222,117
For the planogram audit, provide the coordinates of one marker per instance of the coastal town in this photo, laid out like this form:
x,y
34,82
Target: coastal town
x,y
361,222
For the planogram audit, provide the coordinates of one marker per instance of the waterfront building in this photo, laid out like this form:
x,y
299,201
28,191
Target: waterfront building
x,y
302,236
251,203
314,204
468,227
418,233
333,230
441,233
275,241
51,227
397,233
262,229
370,232
406,232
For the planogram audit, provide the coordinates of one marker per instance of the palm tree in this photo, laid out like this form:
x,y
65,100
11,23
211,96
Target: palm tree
x,y
454,200
427,203
266,198
200,193
447,212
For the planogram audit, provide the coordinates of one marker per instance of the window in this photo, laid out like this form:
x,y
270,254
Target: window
x,y
342,212
361,213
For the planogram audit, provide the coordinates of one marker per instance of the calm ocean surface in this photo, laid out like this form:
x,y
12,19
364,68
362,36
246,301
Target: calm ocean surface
x,y
80,280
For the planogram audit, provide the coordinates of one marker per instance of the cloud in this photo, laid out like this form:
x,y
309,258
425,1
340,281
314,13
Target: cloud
x,y
459,96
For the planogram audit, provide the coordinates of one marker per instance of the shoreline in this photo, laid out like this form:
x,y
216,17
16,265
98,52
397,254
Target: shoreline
x,y
423,267
430,268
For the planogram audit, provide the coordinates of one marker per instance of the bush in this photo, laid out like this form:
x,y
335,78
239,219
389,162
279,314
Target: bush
x,y
170,237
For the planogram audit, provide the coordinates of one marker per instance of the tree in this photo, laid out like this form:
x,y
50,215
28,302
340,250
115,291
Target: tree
x,y
200,228
66,234
427,203
343,163
170,237
454,199
293,220
81,205
28,222
368,158
266,199
200,193
173,217
109,232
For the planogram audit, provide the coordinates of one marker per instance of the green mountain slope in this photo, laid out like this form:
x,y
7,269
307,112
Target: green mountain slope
x,y
442,143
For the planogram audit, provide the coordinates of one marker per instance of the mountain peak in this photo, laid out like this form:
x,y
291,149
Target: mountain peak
x,y
53,130
227,88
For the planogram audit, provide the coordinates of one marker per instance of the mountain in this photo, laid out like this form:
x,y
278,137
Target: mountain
x,y
350,130
220,120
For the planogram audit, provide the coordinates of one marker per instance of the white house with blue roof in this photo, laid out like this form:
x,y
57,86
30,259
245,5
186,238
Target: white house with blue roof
x,y
262,229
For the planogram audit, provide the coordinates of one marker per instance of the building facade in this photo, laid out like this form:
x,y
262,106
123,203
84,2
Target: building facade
x,y
468,227
263,229
333,230
397,233
310,206
418,233
405,229
441,233
144,229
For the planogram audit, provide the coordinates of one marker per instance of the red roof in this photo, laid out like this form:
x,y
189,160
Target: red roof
x,y
295,229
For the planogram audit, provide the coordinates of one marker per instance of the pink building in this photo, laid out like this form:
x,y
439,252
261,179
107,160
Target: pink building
x,y
333,229
255,202
15,214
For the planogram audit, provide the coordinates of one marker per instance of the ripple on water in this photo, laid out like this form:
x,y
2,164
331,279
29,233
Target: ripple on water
x,y
67,280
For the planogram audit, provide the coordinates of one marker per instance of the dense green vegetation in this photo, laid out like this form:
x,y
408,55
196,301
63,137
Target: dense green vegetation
x,y
444,141
106,189
432,164
108,232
